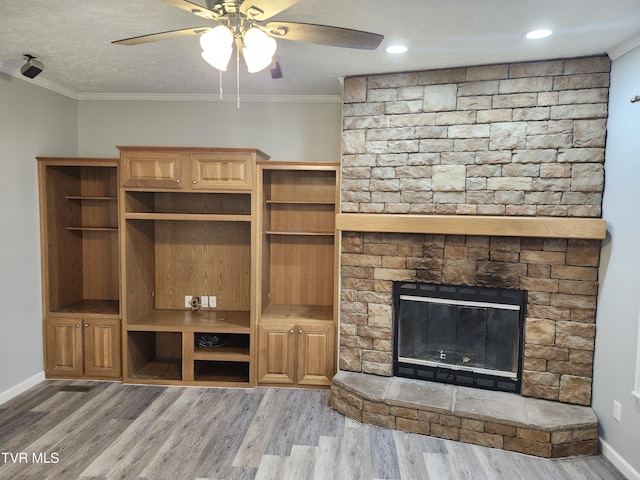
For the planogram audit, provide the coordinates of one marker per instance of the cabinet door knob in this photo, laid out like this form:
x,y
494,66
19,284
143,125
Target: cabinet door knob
x,y
300,331
86,325
178,180
291,331
78,325
194,182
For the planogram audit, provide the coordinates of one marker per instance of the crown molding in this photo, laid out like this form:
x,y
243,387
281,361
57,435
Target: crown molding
x,y
178,97
624,47
170,97
41,82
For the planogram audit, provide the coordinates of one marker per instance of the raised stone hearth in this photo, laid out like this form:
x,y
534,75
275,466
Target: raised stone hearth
x,y
493,419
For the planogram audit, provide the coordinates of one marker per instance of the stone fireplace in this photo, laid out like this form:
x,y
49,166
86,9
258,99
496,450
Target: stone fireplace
x,y
470,336
487,176
559,276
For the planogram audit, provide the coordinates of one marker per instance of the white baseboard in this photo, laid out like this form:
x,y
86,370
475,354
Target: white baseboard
x,y
21,387
619,462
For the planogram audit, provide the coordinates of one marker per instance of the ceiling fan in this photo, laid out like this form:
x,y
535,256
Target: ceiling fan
x,y
242,22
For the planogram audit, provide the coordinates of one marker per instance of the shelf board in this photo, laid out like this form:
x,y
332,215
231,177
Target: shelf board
x,y
300,202
297,312
91,307
191,217
300,234
503,226
159,369
217,321
222,354
92,229
221,373
87,197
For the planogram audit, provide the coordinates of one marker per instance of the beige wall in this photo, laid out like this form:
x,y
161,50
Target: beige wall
x,y
285,131
33,121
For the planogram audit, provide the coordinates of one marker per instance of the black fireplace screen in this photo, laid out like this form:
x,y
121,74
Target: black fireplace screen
x,y
456,334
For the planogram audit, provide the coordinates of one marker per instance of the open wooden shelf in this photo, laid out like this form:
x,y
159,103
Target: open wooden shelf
x,y
222,373
297,312
300,233
236,350
191,217
224,354
90,198
300,202
85,307
92,229
545,227
190,321
159,370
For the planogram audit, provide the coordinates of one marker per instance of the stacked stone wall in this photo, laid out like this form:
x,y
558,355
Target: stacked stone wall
x,y
522,139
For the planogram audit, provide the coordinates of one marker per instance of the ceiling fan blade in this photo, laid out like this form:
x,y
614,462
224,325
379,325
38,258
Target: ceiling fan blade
x,y
260,10
155,37
324,35
194,8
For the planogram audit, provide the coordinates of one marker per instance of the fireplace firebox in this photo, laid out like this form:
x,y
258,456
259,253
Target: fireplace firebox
x,y
470,336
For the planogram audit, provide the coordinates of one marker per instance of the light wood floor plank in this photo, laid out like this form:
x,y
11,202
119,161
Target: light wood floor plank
x,y
356,454
328,463
384,458
410,456
134,432
300,465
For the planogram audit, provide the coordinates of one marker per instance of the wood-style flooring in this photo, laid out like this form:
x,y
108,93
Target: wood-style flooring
x,y
101,430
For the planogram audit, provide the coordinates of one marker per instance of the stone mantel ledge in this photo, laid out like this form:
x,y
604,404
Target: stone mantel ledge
x,y
495,419
504,226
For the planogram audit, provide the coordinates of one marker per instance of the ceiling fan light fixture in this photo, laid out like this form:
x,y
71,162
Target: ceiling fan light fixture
x,y
259,42
259,49
218,58
215,38
255,62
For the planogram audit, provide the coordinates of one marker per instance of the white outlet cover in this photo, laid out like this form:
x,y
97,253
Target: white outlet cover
x,y
204,301
213,301
187,301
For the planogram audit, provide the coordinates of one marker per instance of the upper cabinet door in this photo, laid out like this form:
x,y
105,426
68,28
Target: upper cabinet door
x,y
223,170
151,169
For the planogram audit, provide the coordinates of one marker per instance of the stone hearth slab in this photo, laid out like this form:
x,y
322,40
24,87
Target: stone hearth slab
x,y
495,419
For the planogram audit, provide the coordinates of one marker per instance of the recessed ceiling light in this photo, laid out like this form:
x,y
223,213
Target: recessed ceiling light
x,y
396,49
538,34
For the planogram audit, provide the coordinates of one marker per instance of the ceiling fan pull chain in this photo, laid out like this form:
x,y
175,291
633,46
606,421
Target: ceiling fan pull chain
x,y
238,78
220,71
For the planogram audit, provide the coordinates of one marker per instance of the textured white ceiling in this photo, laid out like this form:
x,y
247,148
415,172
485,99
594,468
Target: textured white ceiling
x,y
73,40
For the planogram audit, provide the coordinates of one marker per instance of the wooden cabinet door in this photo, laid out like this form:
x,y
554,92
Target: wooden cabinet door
x,y
151,169
316,354
102,347
224,170
64,347
276,353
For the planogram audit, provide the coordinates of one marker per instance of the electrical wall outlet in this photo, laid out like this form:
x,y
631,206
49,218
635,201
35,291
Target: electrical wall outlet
x,y
195,303
616,410
204,301
187,301
213,301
